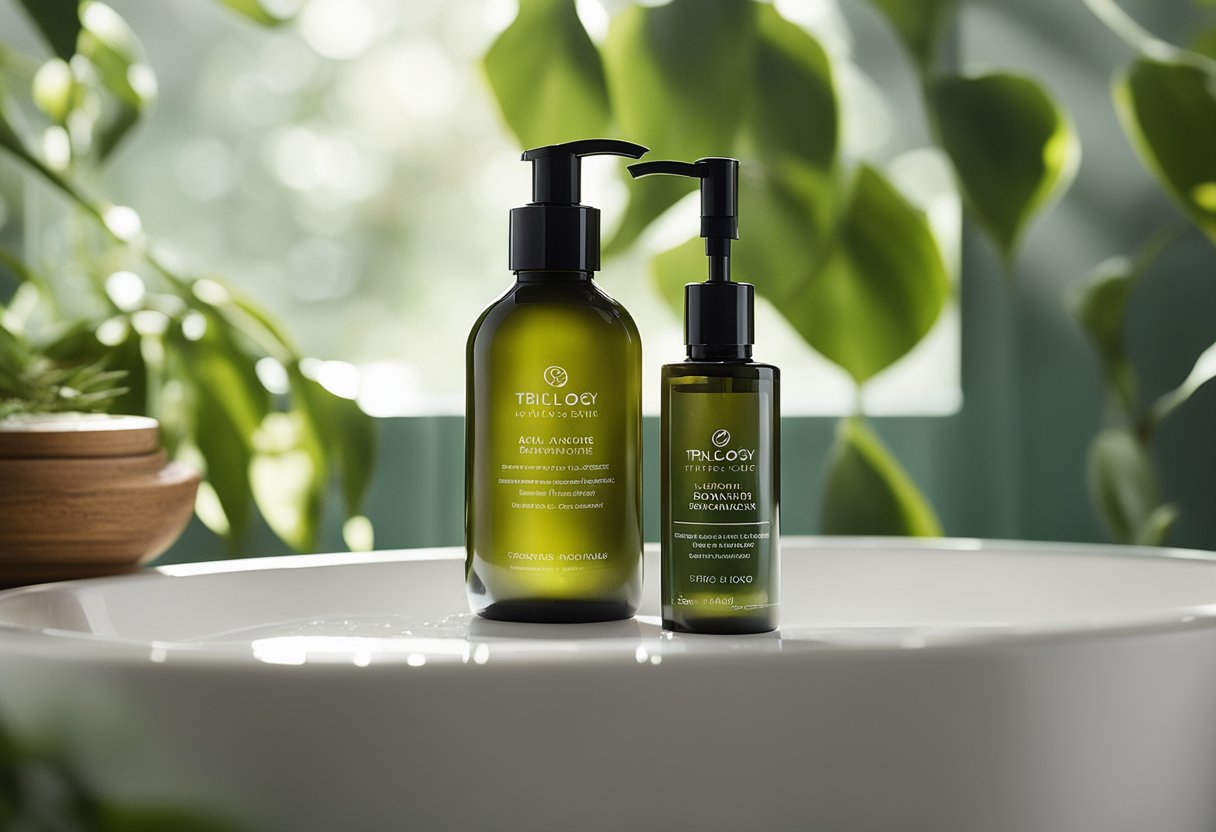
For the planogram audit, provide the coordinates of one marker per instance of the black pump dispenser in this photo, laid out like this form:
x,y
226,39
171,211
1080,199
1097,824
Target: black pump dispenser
x,y
554,232
719,316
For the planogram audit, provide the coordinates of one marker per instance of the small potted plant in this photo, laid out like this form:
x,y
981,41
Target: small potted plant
x,y
82,492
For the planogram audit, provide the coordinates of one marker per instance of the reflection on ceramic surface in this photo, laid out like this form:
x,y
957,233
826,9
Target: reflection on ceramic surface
x,y
407,607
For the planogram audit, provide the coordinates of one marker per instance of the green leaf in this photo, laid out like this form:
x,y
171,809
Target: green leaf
x,y
1123,487
127,356
354,435
1100,306
223,364
877,289
547,77
342,435
230,404
288,479
1168,111
1011,145
1204,43
919,24
58,21
792,210
678,76
867,492
793,109
114,50
257,12
1155,530
675,268
227,452
1201,373
645,206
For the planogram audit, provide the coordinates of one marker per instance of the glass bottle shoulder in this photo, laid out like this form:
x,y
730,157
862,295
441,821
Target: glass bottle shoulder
x,y
561,304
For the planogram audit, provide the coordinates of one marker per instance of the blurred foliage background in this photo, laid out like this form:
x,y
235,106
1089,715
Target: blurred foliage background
x,y
849,262
344,167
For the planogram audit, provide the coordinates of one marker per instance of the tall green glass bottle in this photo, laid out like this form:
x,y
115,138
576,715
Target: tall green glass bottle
x,y
721,438
553,510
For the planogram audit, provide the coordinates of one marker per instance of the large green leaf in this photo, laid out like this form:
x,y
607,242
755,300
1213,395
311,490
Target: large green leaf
x,y
59,22
1123,487
877,289
793,109
919,24
114,50
645,206
1011,146
678,75
790,211
1168,110
867,492
547,77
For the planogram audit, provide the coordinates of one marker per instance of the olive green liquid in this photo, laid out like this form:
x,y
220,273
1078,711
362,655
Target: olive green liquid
x,y
721,496
553,514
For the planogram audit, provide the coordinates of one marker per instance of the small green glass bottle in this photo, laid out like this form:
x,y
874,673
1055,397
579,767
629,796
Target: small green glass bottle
x,y
553,509
721,441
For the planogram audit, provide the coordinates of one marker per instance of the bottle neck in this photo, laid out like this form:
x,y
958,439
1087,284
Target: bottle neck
x,y
553,276
719,352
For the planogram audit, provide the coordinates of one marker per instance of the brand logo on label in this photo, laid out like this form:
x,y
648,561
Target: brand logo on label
x,y
555,376
720,453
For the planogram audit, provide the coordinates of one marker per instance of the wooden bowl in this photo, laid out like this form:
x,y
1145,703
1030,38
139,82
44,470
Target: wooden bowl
x,y
83,495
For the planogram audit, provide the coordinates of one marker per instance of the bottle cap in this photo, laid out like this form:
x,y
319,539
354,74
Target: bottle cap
x,y
555,232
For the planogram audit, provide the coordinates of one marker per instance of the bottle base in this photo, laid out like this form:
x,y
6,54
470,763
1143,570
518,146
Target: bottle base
x,y
548,611
721,626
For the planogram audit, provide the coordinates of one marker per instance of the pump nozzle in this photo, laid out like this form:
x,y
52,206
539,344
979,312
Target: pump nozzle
x,y
557,171
719,203
718,318
554,232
